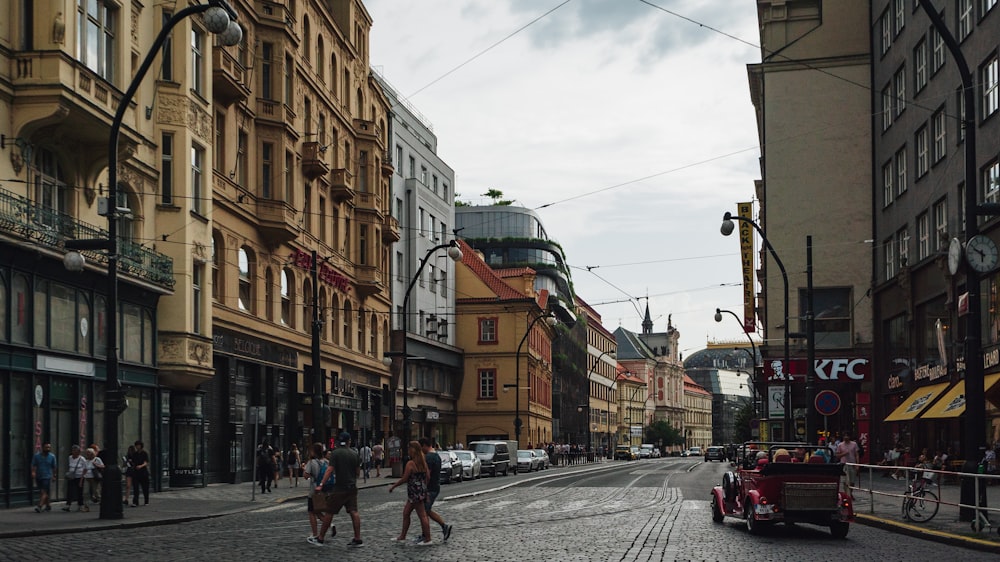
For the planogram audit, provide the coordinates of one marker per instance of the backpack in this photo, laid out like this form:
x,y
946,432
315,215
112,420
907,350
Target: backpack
x,y
328,487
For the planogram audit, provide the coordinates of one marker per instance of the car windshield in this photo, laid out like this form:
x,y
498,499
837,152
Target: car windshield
x,y
526,454
445,456
464,455
484,448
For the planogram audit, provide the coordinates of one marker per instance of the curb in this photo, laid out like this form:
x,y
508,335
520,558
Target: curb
x,y
926,533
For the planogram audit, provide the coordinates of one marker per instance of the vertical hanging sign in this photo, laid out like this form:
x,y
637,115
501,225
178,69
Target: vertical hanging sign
x,y
746,257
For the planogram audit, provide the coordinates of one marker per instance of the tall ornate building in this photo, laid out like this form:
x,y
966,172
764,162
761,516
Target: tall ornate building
x,y
235,165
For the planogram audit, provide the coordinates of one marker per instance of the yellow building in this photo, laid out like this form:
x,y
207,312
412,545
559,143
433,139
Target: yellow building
x,y
602,370
697,429
235,165
503,328
633,395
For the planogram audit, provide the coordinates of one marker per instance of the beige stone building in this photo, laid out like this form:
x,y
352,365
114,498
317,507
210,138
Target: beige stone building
x,y
501,325
235,164
697,428
602,369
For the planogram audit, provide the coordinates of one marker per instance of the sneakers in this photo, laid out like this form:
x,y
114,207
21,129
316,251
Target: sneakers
x,y
399,540
356,543
419,541
314,541
447,531
38,509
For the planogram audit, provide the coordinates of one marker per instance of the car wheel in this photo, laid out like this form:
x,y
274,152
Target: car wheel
x,y
461,477
839,529
753,526
717,515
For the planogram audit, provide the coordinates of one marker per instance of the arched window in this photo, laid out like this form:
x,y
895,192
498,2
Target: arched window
x,y
218,266
269,294
320,57
333,73
361,329
335,319
307,289
287,282
245,299
306,41
361,105
348,317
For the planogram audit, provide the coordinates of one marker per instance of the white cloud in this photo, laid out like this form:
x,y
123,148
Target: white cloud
x,y
599,93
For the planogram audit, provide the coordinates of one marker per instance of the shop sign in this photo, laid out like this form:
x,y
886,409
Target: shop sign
x,y
233,343
832,369
930,372
325,273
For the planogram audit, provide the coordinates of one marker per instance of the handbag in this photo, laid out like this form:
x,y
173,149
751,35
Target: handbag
x,y
321,501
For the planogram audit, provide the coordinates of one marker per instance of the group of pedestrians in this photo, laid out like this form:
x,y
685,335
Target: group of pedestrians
x,y
422,477
84,473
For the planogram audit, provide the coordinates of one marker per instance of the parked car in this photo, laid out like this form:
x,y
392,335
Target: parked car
x,y
544,458
623,453
526,460
472,467
496,456
686,453
695,452
451,467
635,453
715,453
646,450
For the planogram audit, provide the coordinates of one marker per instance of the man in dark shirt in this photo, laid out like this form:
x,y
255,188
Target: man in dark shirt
x,y
345,467
434,485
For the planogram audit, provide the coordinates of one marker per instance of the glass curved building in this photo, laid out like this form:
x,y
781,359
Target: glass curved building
x,y
515,237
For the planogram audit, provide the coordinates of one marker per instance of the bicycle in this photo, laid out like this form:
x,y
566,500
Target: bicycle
x,y
919,503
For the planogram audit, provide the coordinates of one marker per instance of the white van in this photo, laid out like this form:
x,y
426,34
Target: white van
x,y
646,450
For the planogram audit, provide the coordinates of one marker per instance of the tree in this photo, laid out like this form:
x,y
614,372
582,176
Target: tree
x,y
497,196
662,430
743,418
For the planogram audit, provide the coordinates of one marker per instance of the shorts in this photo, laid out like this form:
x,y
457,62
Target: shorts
x,y
43,484
343,499
429,502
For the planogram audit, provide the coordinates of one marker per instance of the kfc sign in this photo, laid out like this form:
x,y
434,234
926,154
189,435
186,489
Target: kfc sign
x,y
835,370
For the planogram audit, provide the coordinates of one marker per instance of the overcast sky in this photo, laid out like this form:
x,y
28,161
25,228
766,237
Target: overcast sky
x,y
627,125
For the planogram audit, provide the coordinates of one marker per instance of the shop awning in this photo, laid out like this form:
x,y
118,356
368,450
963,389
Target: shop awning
x,y
952,404
916,402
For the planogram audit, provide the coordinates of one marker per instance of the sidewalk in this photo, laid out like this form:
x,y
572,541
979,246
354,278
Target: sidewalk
x,y
170,506
879,503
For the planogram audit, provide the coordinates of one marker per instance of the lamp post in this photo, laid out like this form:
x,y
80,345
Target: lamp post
x,y
219,19
551,321
456,255
753,356
975,394
727,229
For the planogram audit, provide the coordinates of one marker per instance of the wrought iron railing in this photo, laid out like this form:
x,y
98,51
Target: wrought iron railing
x,y
25,219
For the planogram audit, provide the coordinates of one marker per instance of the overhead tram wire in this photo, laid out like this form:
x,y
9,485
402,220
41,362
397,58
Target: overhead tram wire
x,y
487,49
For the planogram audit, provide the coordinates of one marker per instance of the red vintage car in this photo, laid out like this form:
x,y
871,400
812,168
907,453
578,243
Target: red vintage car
x,y
772,485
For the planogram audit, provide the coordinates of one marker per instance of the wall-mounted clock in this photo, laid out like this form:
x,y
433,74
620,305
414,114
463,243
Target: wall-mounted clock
x,y
981,253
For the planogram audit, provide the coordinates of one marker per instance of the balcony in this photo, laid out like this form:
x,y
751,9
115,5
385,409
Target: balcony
x,y
273,112
369,203
277,220
35,225
342,185
390,229
313,163
228,77
368,279
367,130
387,168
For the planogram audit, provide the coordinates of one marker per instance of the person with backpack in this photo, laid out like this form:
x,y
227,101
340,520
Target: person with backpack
x,y
314,471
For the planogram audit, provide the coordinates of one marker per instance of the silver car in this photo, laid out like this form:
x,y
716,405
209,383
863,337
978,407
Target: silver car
x,y
543,457
526,460
472,467
451,467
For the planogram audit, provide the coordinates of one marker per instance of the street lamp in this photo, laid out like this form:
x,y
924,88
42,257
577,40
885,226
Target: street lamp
x,y
220,19
551,321
455,253
753,356
727,229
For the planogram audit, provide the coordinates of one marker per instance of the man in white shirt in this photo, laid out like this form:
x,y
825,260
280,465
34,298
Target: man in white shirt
x,y
847,452
366,459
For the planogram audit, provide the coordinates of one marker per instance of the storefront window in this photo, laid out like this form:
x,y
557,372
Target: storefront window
x,y
131,333
40,311
21,310
188,444
63,317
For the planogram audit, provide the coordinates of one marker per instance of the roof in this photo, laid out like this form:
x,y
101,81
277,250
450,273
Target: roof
x,y
691,386
630,346
500,288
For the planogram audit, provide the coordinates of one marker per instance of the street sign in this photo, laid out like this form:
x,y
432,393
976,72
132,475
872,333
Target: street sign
x,y
827,402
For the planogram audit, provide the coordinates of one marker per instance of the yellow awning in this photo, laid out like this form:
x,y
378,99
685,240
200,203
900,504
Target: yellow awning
x,y
916,402
952,404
